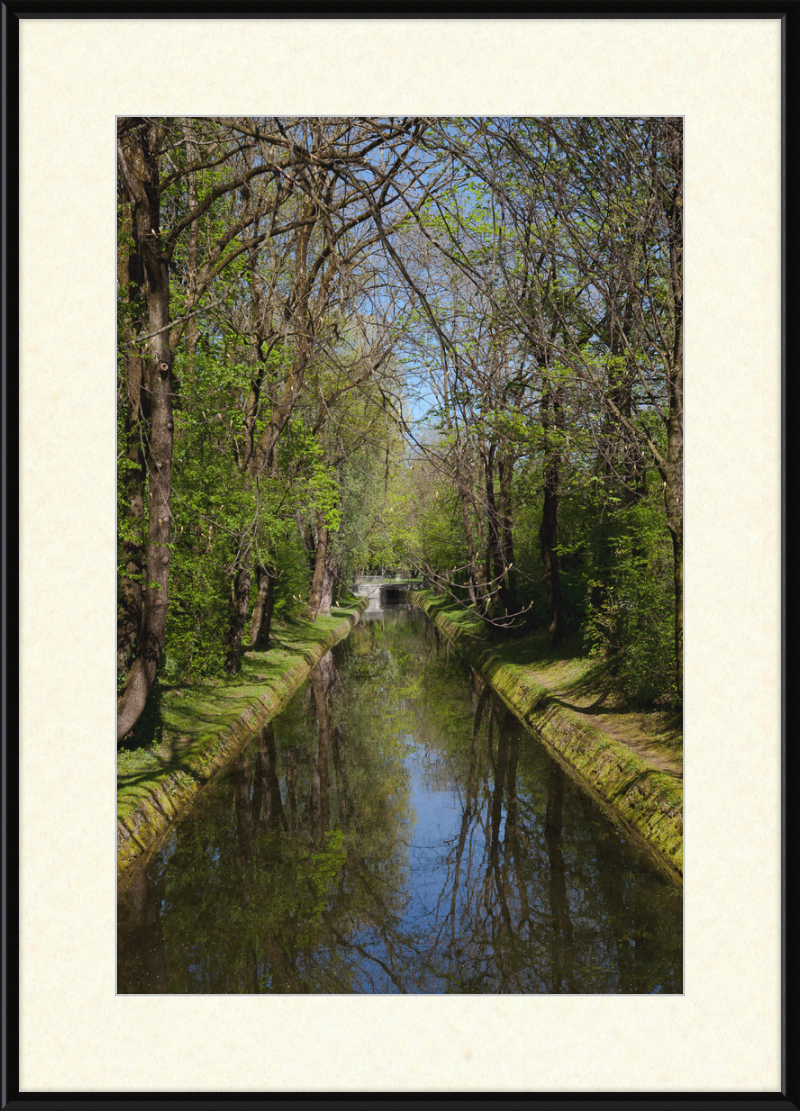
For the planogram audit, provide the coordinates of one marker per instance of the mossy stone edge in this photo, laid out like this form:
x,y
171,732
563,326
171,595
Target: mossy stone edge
x,y
646,802
140,830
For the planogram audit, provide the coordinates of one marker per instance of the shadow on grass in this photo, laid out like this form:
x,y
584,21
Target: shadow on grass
x,y
178,721
147,730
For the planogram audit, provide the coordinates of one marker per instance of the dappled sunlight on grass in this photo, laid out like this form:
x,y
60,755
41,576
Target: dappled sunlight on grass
x,y
579,682
190,718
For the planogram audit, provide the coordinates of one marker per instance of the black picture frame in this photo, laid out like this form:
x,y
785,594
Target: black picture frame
x,y
14,11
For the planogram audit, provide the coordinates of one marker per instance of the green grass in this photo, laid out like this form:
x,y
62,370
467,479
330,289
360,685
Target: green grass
x,y
630,760
577,681
186,723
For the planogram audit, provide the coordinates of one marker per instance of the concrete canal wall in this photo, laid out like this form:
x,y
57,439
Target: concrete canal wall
x,y
149,802
645,801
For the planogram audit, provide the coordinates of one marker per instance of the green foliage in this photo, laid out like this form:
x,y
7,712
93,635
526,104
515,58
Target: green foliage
x,y
210,499
542,257
302,456
293,574
630,623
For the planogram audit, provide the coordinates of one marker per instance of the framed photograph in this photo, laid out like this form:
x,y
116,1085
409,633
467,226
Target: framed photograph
x,y
725,73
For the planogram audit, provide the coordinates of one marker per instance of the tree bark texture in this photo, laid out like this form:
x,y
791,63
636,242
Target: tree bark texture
x,y
321,594
262,611
673,478
131,594
158,386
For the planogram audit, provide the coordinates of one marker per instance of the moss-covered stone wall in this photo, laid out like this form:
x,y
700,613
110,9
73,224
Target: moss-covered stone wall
x,y
149,802
645,801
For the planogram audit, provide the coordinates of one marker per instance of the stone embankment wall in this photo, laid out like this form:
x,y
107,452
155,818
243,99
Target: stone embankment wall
x,y
646,802
139,831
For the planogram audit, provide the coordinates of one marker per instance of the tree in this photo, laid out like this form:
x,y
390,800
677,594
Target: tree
x,y
447,344
143,145
347,171
590,212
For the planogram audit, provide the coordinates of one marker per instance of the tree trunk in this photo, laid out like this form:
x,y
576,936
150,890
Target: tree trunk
x,y
321,594
673,501
548,530
673,491
142,675
131,594
465,501
495,569
262,612
505,468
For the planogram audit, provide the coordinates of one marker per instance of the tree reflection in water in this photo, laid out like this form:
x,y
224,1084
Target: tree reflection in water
x,y
396,829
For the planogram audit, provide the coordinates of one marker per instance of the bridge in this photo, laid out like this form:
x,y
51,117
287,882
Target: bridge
x,y
379,590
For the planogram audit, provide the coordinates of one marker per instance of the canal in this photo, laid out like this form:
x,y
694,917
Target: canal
x,y
395,829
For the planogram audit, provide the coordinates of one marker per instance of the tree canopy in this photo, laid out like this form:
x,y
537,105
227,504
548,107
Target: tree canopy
x,y
447,346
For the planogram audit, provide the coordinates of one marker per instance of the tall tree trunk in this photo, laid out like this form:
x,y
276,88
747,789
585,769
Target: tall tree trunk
x,y
321,594
500,550
505,469
548,530
320,557
673,501
131,594
193,253
258,453
673,478
158,384
262,611
495,569
472,563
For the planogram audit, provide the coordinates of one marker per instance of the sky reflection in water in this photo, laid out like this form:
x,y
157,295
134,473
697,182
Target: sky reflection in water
x,y
395,829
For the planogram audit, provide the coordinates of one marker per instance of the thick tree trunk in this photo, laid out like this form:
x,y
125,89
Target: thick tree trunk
x,y
262,612
130,598
140,679
131,594
321,594
317,591
673,491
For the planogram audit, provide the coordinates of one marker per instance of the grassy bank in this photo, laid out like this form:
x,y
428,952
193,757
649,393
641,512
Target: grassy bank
x,y
197,730
631,761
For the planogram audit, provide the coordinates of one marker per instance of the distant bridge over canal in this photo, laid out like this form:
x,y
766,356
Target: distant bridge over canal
x,y
380,590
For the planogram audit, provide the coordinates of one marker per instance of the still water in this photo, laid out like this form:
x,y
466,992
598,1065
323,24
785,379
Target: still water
x,y
395,829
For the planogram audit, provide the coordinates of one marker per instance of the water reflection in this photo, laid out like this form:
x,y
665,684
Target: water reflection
x,y
395,829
